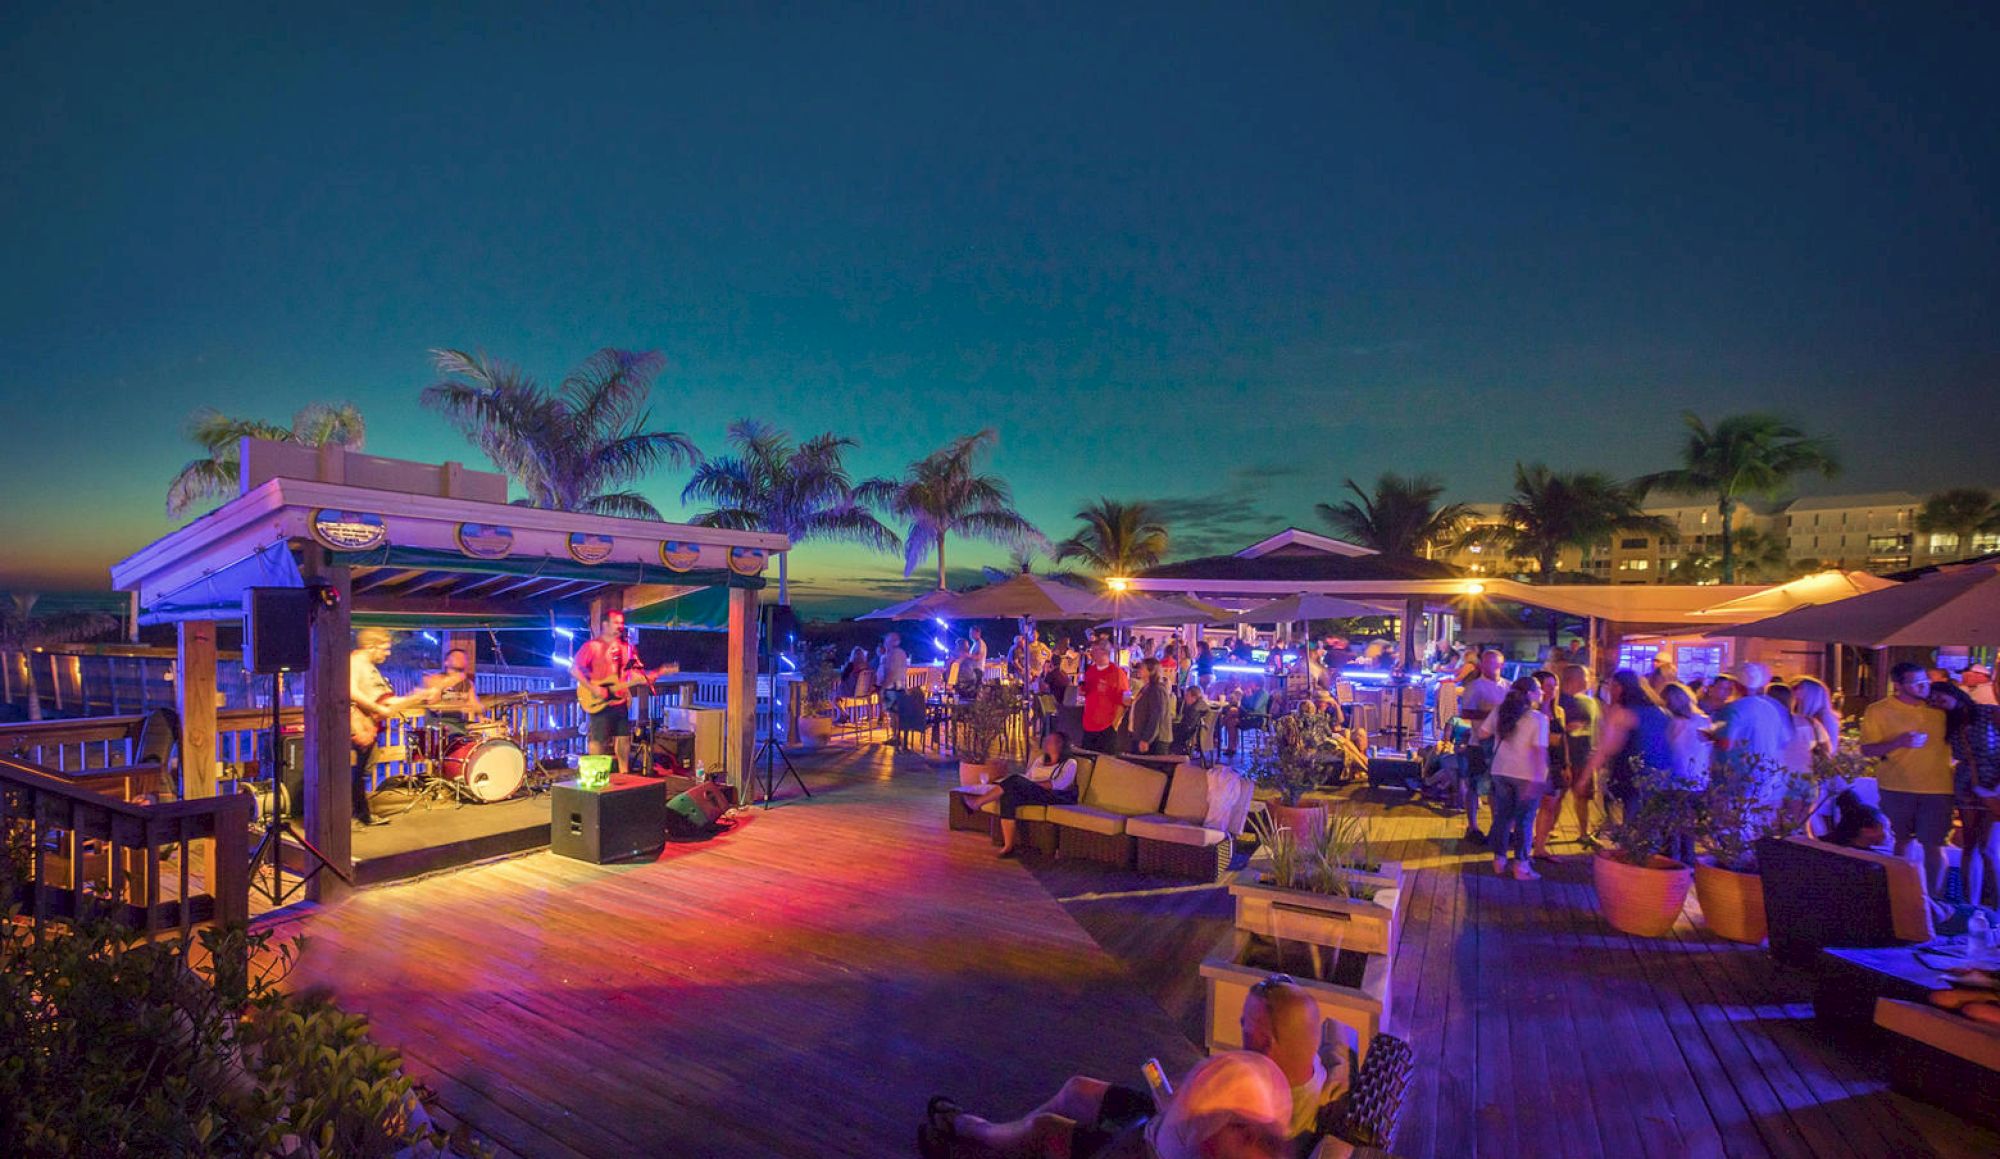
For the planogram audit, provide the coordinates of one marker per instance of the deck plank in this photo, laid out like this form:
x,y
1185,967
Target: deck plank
x,y
799,986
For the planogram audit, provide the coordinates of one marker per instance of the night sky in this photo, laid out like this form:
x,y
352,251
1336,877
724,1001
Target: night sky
x,y
1211,257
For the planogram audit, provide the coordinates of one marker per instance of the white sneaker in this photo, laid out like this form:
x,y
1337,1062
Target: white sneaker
x,y
1500,866
1525,872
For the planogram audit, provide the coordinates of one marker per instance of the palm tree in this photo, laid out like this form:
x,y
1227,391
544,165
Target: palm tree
x,y
220,436
1761,557
22,629
576,448
802,492
1115,539
1551,511
1741,456
1960,512
942,495
1402,517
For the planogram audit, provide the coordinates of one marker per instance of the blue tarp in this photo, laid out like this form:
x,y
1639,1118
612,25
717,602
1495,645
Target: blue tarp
x,y
219,594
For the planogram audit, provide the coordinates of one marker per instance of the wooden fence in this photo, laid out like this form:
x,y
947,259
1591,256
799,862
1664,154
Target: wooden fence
x,y
90,844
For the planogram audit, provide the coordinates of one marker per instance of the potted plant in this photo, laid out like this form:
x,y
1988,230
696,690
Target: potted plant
x,y
822,677
1306,893
981,732
1744,803
1640,889
1300,746
1307,887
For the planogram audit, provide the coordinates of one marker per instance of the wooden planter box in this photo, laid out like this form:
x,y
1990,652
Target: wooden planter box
x,y
1294,915
1228,980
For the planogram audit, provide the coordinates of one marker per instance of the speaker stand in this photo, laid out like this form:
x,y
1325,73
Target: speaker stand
x,y
277,827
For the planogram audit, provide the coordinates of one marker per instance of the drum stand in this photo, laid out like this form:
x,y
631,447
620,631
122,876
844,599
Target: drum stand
x,y
277,826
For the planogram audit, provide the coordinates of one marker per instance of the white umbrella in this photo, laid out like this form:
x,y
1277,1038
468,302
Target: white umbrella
x,y
1956,605
923,607
1308,606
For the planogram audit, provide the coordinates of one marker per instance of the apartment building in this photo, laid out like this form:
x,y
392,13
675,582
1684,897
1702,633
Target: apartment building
x,y
1865,532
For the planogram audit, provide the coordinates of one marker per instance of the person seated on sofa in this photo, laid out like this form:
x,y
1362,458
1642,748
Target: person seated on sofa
x,y
1049,780
1859,825
1093,1118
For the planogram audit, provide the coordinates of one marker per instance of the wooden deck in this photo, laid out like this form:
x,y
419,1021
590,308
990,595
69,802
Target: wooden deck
x,y
800,986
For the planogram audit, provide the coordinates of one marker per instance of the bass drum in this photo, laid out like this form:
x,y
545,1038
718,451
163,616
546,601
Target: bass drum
x,y
485,769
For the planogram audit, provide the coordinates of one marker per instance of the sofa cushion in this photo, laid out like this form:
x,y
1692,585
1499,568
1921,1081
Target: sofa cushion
x,y
1119,786
1172,829
1187,795
1024,813
1945,1030
1085,817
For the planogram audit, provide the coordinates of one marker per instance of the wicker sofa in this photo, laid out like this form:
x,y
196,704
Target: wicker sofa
x,y
1138,812
1821,896
1942,1058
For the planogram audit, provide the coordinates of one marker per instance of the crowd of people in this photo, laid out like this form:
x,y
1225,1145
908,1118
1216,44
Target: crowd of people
x,y
1526,746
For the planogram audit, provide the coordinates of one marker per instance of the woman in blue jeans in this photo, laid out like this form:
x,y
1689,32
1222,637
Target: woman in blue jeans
x,y
1520,772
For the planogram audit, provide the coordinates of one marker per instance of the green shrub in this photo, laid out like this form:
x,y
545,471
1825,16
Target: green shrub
x,y
114,1046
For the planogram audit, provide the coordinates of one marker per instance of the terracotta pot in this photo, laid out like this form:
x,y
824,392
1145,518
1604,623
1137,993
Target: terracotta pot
x,y
1641,899
1305,821
1732,904
976,773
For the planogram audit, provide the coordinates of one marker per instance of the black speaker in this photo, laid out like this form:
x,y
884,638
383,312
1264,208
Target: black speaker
x,y
784,626
276,636
626,819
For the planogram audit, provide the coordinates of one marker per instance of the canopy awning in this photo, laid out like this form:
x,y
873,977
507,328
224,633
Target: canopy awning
x,y
218,595
1951,606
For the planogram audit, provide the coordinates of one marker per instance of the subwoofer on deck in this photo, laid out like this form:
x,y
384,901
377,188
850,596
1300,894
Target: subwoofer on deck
x,y
627,818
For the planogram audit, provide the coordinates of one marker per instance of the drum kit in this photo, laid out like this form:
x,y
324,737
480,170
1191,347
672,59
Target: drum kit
x,y
474,764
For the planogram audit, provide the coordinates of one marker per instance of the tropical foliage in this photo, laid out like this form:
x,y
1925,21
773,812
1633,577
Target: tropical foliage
x,y
802,491
1549,512
23,629
1400,517
1761,557
1115,539
189,1047
1741,457
1960,512
945,494
578,447
214,475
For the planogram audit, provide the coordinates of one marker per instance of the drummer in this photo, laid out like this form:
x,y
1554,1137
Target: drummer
x,y
457,703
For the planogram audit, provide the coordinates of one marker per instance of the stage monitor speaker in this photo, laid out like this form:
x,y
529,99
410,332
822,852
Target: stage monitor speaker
x,y
627,819
276,634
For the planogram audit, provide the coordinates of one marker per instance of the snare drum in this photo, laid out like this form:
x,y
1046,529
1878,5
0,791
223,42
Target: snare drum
x,y
486,769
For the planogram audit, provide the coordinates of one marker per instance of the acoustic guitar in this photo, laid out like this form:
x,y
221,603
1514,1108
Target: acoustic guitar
x,y
594,696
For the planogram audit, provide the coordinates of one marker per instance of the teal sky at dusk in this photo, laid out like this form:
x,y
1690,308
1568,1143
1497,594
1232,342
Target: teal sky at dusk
x,y
1211,257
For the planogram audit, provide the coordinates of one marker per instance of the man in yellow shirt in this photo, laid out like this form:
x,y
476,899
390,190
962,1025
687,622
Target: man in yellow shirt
x,y
1906,734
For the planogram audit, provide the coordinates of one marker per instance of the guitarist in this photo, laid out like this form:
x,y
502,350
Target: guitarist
x,y
605,664
371,701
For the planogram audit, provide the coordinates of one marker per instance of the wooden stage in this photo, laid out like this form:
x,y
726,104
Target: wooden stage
x,y
800,986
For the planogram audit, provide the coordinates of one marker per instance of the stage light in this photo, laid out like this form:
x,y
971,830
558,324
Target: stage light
x,y
1475,589
431,636
565,633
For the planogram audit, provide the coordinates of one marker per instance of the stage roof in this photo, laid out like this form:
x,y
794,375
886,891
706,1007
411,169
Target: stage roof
x,y
421,560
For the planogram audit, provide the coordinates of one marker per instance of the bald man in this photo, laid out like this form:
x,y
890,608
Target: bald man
x,y
1093,1119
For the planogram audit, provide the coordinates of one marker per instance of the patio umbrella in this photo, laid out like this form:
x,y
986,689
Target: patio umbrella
x,y
1179,610
1954,606
1823,587
1047,599
923,607
1307,606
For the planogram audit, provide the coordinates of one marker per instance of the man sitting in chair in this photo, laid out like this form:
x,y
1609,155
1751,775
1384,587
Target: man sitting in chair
x,y
1093,1119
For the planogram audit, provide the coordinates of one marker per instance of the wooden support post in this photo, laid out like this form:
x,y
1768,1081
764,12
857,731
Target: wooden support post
x,y
328,753
739,722
194,697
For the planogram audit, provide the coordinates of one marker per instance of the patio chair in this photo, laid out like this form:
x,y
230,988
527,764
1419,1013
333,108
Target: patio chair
x,y
156,742
860,711
1368,1116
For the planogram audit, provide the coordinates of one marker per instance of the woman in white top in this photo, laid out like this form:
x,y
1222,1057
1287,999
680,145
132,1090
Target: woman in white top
x,y
1520,772
1690,752
1050,780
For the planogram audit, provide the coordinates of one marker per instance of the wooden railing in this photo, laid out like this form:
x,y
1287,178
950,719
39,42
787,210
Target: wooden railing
x,y
83,848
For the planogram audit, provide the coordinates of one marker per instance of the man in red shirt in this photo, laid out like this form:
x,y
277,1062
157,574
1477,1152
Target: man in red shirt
x,y
1104,685
604,663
